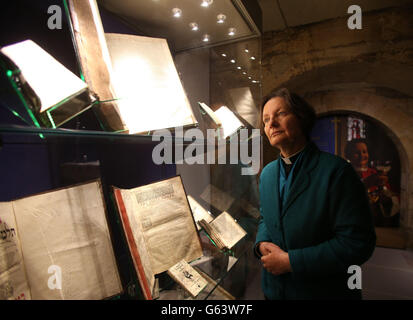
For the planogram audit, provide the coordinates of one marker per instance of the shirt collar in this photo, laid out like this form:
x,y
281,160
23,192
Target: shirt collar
x,y
291,159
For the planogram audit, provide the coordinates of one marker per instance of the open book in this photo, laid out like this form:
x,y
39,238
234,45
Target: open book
x,y
199,212
223,119
57,245
54,93
159,228
224,230
139,72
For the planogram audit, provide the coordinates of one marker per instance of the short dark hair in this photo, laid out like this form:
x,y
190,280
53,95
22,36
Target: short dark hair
x,y
298,106
351,146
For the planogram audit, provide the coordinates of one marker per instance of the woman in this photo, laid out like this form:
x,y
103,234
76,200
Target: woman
x,y
315,218
384,203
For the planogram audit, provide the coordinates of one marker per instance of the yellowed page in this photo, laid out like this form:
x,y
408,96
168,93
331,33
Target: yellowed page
x,y
67,230
147,83
230,122
211,113
169,230
13,283
49,79
228,230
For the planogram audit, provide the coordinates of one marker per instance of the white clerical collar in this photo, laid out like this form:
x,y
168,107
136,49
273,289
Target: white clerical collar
x,y
287,160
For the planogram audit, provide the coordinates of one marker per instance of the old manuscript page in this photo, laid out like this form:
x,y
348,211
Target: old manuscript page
x,y
51,81
13,283
166,221
227,229
150,92
66,244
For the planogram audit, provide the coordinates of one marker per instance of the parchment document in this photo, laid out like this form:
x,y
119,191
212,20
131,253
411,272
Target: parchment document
x,y
160,212
66,230
147,83
51,81
227,229
13,283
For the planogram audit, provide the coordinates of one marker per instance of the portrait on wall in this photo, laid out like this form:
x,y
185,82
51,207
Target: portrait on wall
x,y
367,146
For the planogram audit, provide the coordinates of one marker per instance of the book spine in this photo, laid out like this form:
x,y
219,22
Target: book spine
x,y
132,245
212,233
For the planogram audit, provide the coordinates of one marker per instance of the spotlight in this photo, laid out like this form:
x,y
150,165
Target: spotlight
x,y
231,31
194,26
177,12
221,18
206,3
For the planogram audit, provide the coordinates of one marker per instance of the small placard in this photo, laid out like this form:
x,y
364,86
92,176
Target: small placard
x,y
188,278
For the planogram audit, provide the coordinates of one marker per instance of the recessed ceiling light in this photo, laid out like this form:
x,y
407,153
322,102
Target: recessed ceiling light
x,y
239,68
249,78
206,38
246,50
244,72
206,3
177,12
252,58
231,31
221,18
232,61
194,26
224,55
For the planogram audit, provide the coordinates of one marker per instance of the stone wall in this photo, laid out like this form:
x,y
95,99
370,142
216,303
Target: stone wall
x,y
381,53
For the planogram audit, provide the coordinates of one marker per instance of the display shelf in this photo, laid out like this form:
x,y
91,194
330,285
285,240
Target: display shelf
x,y
35,159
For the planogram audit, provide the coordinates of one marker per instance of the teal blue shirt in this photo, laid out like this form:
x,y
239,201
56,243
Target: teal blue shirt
x,y
287,179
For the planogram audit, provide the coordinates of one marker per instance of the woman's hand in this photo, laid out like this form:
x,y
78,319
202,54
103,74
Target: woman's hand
x,y
265,247
274,259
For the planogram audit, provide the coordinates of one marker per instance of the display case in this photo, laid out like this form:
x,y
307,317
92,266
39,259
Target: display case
x,y
226,71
